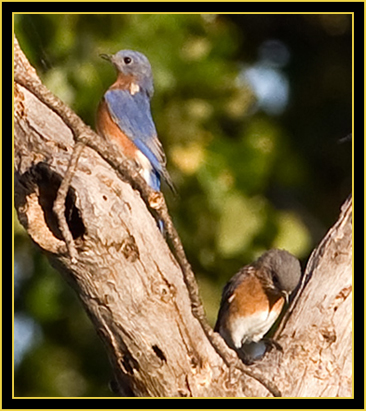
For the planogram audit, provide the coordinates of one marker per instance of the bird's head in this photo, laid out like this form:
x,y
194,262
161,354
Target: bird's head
x,y
133,64
283,268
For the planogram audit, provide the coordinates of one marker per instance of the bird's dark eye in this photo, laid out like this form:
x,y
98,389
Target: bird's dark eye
x,y
127,60
276,281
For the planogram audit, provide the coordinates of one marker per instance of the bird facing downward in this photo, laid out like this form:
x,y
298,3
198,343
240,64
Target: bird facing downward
x,y
254,297
124,116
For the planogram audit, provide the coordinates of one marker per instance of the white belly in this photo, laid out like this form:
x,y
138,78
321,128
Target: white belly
x,y
145,166
252,329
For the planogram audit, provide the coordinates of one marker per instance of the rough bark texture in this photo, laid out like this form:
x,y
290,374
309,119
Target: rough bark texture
x,y
317,338
133,289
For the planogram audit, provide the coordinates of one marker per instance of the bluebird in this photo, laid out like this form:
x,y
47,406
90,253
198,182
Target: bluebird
x,y
124,116
253,299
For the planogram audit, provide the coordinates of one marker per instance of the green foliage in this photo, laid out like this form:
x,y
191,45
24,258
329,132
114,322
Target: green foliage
x,y
247,180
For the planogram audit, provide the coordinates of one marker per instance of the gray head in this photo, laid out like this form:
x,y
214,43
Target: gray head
x,y
135,64
284,268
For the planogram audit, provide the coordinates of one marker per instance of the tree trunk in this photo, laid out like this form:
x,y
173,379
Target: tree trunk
x,y
134,290
317,337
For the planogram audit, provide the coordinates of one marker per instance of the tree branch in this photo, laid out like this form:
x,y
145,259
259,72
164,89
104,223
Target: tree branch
x,y
83,135
144,305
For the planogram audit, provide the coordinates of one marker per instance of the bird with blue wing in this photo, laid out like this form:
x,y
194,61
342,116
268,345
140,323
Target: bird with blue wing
x,y
124,116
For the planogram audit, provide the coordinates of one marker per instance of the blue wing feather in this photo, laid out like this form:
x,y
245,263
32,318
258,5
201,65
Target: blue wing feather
x,y
133,116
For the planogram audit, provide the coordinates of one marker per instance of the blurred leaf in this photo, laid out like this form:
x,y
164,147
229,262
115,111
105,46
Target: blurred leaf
x,y
292,235
241,220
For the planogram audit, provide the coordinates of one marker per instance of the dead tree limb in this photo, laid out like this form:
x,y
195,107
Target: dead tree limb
x,y
316,333
142,299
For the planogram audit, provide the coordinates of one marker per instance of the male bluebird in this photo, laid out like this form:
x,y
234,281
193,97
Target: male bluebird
x,y
124,116
253,299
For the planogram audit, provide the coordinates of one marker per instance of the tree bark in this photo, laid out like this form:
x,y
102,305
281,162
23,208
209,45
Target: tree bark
x,y
134,290
316,334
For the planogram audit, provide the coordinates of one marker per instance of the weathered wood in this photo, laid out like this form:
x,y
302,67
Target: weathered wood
x,y
317,338
125,275
134,290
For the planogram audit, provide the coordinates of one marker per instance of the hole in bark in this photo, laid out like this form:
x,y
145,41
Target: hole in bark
x,y
49,183
159,353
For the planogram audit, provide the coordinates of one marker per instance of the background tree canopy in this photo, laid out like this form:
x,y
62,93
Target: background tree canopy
x,y
250,110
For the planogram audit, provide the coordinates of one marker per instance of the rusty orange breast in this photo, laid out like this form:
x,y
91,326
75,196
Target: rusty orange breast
x,y
108,129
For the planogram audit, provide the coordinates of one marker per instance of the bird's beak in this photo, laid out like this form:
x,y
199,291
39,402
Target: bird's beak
x,y
286,295
107,57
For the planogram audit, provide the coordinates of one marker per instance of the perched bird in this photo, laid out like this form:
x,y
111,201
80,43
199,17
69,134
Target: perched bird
x,y
253,299
124,116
